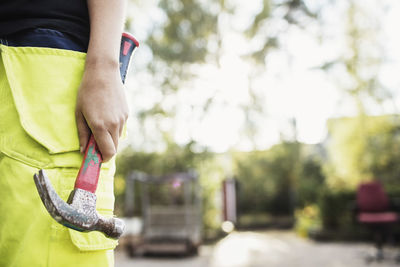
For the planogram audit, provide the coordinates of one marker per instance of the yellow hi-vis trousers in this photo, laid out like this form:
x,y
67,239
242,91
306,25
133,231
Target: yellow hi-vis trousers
x,y
38,88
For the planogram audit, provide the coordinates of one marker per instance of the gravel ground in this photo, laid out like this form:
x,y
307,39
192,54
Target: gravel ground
x,y
269,249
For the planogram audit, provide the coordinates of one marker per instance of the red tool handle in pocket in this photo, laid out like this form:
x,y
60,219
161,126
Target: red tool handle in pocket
x,y
89,172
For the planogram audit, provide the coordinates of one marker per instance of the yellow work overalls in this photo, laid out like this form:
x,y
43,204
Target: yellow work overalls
x,y
38,88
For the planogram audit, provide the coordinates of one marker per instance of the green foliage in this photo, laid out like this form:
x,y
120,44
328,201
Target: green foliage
x,y
336,208
383,153
361,59
175,159
252,176
287,11
266,179
308,219
362,149
311,180
274,182
181,40
211,175
185,32
262,15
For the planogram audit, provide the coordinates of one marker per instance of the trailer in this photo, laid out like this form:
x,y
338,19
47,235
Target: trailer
x,y
170,213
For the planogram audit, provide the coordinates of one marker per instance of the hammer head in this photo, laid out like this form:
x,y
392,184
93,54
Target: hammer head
x,y
79,212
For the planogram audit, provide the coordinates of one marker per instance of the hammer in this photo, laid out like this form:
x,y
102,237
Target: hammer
x,y
79,213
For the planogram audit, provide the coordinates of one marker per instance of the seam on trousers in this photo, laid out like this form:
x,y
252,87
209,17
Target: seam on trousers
x,y
26,160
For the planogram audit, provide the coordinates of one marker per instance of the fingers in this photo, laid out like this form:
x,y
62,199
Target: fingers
x,y
106,141
106,136
83,131
114,132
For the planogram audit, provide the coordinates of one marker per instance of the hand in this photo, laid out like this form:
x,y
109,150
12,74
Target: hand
x,y
101,108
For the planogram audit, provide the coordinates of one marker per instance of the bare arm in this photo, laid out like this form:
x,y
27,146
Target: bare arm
x,y
101,104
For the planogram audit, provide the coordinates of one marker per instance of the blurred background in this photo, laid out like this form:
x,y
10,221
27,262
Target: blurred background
x,y
259,129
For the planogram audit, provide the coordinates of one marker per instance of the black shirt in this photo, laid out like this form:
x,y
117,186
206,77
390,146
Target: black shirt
x,y
67,16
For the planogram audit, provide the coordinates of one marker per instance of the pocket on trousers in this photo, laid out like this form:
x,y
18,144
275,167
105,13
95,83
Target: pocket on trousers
x,y
104,205
44,84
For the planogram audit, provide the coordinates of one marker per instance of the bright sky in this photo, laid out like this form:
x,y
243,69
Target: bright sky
x,y
290,87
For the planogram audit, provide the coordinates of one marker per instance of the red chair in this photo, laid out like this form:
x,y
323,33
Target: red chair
x,y
374,210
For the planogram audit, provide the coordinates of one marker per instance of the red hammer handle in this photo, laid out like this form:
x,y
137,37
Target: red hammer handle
x,y
89,172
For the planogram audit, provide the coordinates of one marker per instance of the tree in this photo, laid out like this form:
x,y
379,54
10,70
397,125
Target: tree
x,y
353,141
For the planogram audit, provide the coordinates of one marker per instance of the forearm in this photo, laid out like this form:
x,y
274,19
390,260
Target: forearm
x,y
101,107
106,25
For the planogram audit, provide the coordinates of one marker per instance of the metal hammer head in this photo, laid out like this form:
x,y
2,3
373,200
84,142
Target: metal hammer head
x,y
79,212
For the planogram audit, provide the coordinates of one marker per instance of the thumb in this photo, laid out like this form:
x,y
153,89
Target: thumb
x,y
83,131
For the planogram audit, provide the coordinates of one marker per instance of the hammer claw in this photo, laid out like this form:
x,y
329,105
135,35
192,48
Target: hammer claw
x,y
52,202
79,213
